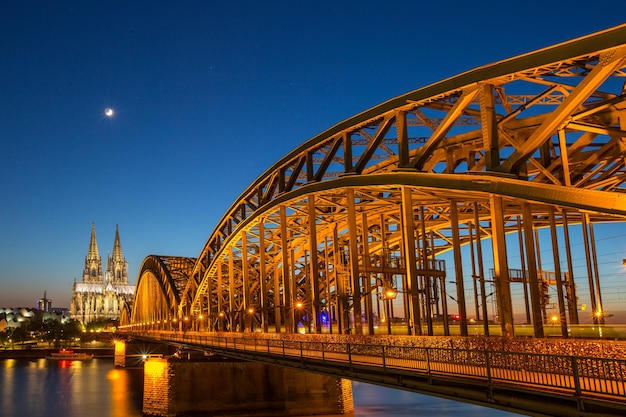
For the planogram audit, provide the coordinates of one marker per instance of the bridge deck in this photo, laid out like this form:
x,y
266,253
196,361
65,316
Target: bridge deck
x,y
528,383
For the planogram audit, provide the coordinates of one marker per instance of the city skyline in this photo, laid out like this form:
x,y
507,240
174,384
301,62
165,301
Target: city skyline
x,y
205,98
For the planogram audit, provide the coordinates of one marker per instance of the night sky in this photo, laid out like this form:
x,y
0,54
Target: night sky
x,y
207,95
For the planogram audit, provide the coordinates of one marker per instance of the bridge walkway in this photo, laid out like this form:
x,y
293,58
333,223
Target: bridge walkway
x,y
527,383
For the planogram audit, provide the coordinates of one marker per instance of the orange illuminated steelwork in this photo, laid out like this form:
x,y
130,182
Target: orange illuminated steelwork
x,y
397,192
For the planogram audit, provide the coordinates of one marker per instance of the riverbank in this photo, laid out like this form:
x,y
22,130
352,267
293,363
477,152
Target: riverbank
x,y
41,353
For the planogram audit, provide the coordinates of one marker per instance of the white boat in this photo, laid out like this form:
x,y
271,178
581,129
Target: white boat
x,y
69,355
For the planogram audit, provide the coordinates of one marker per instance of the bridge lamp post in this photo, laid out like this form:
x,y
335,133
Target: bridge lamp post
x,y
220,323
388,295
299,308
201,319
251,313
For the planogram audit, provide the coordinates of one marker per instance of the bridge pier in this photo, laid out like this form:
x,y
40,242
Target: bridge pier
x,y
174,387
133,352
119,358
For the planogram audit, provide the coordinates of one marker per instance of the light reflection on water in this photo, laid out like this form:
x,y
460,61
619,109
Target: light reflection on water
x,y
375,401
68,389
97,389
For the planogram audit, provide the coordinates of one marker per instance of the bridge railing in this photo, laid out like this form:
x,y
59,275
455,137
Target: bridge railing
x,y
576,375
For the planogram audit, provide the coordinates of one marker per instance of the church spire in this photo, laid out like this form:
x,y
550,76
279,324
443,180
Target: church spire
x,y
92,273
117,268
93,244
117,246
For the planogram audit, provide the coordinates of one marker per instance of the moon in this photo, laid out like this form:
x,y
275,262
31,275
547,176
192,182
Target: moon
x,y
108,112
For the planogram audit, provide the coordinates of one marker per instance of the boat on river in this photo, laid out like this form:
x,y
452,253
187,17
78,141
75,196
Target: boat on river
x,y
69,355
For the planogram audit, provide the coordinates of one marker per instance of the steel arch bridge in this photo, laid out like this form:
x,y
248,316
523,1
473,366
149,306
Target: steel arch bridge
x,y
346,233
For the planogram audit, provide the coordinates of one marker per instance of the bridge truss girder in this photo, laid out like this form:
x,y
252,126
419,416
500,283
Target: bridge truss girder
x,y
269,280
535,141
161,282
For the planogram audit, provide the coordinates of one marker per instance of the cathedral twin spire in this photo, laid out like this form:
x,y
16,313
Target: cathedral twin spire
x,y
116,268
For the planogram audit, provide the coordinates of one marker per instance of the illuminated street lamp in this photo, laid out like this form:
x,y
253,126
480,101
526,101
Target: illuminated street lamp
x,y
390,293
251,318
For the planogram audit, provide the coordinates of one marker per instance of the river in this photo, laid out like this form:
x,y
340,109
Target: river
x,y
41,388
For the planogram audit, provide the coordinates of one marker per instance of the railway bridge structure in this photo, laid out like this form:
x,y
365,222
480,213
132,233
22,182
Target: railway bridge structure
x,y
429,214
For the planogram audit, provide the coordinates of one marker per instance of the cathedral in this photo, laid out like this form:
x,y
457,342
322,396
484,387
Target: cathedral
x,y
98,297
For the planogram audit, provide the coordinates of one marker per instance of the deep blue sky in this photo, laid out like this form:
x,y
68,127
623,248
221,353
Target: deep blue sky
x,y
208,95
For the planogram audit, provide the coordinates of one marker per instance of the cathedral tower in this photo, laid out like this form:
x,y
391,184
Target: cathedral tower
x,y
117,267
92,273
96,298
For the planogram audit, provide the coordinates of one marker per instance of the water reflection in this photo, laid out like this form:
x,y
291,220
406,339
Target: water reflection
x,y
121,401
375,401
68,389
97,389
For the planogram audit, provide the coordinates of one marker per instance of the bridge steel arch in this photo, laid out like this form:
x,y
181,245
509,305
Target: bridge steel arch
x,y
349,228
161,281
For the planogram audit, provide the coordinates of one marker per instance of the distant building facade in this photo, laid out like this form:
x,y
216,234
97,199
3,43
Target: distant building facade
x,y
45,304
12,318
101,296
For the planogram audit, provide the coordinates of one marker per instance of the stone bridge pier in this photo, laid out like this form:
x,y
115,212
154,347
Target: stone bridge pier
x,y
195,384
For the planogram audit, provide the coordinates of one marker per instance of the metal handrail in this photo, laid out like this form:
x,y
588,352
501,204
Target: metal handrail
x,y
576,374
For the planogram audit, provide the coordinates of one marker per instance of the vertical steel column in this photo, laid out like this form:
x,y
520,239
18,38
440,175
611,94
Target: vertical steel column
x,y
594,260
278,299
572,305
354,263
387,278
285,253
221,314
592,291
262,277
557,273
340,289
427,280
520,237
231,289
367,280
347,152
403,140
327,294
458,266
293,283
314,278
404,279
489,125
470,230
501,267
248,316
208,296
408,238
541,277
481,270
531,263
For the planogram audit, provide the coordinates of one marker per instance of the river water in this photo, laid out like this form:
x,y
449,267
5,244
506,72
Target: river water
x,y
40,388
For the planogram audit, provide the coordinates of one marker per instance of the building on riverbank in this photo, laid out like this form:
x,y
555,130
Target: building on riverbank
x,y
98,296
